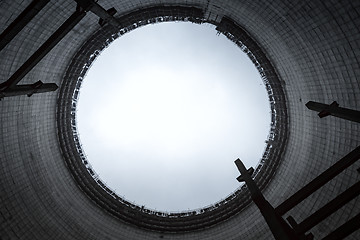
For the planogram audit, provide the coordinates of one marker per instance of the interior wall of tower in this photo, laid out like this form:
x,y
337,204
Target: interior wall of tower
x,y
313,45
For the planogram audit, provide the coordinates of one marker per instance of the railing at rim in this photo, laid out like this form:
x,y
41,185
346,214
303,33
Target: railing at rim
x,y
96,177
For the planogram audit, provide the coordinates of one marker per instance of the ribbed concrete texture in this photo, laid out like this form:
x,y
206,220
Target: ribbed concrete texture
x,y
314,47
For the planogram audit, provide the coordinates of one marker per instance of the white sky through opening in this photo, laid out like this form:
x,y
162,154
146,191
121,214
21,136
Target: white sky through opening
x,y
166,109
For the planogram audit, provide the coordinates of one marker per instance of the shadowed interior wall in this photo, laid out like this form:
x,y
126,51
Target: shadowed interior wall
x,y
313,45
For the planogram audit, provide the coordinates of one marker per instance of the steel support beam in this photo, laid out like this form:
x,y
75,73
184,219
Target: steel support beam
x,y
95,8
28,89
345,230
10,87
21,21
334,110
319,181
279,228
43,50
326,210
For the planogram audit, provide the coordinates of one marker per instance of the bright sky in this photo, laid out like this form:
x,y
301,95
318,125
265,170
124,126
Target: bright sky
x,y
166,109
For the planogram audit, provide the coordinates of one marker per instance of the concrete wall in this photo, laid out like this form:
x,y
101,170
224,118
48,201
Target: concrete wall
x,y
315,49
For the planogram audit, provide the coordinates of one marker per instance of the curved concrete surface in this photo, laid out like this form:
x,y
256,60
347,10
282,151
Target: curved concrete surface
x,y
314,46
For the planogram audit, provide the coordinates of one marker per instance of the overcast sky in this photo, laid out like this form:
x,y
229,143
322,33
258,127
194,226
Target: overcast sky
x,y
166,109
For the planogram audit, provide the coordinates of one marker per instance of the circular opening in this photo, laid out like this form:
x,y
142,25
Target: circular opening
x,y
166,109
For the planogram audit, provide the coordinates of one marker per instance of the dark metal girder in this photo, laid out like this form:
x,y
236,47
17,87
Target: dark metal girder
x,y
319,181
43,50
29,89
345,230
90,5
21,21
334,110
327,209
279,228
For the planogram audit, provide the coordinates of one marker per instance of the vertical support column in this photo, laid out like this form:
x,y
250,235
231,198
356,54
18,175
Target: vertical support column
x,y
279,228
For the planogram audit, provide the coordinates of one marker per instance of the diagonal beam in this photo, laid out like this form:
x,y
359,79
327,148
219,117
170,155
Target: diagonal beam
x,y
319,181
345,230
21,21
328,209
43,50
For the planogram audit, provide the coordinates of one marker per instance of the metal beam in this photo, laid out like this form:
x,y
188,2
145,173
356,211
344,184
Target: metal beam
x,y
319,181
29,89
279,228
334,110
345,230
90,5
327,209
43,50
21,21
